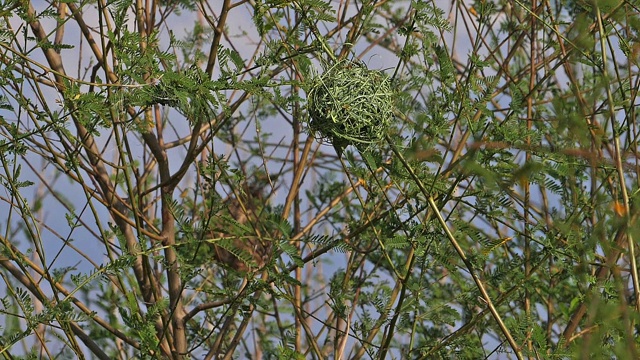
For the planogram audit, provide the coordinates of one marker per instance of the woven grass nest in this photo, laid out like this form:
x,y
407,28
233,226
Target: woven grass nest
x,y
351,105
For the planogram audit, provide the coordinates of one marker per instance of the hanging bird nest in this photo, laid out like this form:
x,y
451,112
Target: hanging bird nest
x,y
351,105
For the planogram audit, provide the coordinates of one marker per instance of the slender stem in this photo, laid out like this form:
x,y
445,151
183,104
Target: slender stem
x,y
621,178
460,251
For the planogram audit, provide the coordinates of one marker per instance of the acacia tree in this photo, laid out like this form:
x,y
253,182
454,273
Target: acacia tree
x,y
168,191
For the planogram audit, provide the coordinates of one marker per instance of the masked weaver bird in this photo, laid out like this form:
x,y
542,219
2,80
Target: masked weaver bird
x,y
237,233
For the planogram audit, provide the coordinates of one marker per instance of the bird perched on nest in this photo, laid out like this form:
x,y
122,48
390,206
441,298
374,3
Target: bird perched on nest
x,y
236,234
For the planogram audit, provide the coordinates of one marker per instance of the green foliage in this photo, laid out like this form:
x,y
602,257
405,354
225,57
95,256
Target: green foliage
x,y
189,92
162,199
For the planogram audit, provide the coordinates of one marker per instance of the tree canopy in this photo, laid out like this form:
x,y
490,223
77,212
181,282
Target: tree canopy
x,y
309,179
